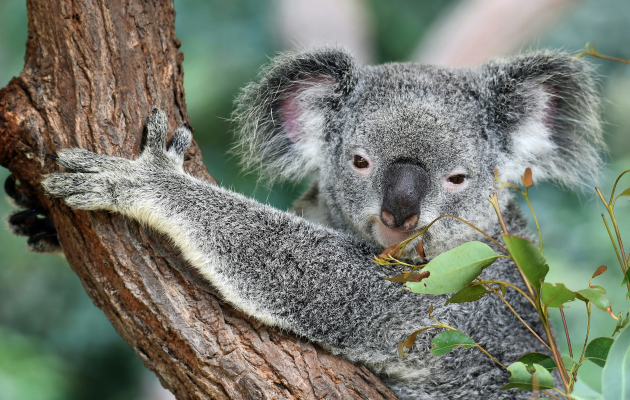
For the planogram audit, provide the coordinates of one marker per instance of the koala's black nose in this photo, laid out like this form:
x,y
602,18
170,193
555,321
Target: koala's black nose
x,y
404,187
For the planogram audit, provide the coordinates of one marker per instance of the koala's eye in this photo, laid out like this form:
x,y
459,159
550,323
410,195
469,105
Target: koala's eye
x,y
457,179
360,162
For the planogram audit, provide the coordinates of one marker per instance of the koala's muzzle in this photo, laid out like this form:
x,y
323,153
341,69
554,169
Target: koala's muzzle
x,y
404,187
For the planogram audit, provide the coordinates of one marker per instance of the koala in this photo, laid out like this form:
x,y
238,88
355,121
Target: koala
x,y
31,221
388,148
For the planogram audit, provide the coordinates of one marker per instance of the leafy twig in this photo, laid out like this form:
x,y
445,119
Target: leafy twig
x,y
566,331
518,316
590,51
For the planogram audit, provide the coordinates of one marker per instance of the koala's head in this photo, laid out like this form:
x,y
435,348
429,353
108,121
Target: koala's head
x,y
394,146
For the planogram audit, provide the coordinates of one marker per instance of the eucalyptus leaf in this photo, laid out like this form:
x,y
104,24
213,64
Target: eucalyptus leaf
x,y
521,379
621,323
597,350
600,270
570,364
455,269
411,340
412,277
543,360
594,295
445,342
616,373
528,258
555,295
468,294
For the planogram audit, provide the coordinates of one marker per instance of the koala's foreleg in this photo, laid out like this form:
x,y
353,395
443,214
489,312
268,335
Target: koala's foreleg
x,y
274,266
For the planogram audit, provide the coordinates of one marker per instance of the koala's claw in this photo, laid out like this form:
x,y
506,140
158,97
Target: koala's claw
x,y
33,222
17,198
44,242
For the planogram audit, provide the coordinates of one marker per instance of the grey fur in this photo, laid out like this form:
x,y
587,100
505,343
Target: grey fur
x,y
311,113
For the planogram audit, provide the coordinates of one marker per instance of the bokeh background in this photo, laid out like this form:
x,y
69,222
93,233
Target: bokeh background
x,y
55,344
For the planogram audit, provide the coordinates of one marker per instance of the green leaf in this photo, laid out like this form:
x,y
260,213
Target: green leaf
x,y
455,269
528,258
625,193
445,342
621,323
584,392
597,350
570,364
468,294
543,360
594,295
555,295
616,373
626,277
521,379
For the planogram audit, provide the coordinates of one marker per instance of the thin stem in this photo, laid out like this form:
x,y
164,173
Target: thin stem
x,y
614,221
398,262
613,243
512,286
549,394
535,220
593,53
623,261
556,356
461,220
494,199
588,329
623,252
568,396
612,194
566,331
526,197
489,355
518,316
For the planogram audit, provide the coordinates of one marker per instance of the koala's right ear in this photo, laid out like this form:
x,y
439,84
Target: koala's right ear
x,y
282,119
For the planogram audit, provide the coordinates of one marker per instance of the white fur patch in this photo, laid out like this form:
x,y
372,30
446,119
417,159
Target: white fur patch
x,y
533,148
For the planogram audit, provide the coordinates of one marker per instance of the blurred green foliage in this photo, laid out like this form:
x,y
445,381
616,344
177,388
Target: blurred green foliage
x,y
54,344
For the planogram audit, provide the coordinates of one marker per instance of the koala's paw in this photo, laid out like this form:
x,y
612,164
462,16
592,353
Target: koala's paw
x,y
96,182
32,222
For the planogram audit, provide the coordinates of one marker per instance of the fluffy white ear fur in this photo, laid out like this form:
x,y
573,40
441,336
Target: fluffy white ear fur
x,y
532,144
282,118
303,121
558,134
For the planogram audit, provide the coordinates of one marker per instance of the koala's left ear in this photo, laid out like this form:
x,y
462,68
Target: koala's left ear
x,y
282,120
544,111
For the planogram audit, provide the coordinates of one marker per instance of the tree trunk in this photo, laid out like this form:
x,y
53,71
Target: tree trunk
x,y
93,72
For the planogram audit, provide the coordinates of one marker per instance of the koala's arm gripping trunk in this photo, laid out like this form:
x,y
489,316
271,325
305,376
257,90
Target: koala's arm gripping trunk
x,y
276,267
93,71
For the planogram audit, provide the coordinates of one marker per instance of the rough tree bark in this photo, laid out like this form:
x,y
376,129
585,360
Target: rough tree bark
x,y
93,72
